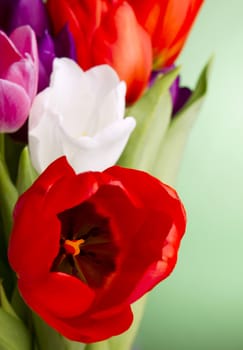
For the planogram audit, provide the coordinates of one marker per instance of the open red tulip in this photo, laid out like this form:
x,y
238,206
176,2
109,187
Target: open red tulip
x,y
86,246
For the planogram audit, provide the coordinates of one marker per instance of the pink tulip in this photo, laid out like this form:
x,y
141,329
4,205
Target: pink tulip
x,y
18,77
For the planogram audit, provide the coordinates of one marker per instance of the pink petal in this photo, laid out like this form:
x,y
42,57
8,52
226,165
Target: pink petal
x,y
24,74
14,106
25,41
11,54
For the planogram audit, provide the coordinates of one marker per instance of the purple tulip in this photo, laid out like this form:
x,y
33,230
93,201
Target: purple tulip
x,y
179,95
18,77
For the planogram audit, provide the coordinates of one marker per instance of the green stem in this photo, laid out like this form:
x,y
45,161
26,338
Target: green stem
x,y
103,345
49,339
2,145
9,196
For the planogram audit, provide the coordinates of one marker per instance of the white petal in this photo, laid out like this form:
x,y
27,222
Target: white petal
x,y
100,152
109,110
71,97
45,143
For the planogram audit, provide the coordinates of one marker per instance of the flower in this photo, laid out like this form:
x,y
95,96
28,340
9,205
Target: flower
x,y
81,116
168,22
86,246
107,32
18,77
15,13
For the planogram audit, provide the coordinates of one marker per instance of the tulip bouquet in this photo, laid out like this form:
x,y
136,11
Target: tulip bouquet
x,y
92,120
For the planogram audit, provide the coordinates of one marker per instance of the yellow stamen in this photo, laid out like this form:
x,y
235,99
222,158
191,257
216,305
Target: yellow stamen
x,y
73,247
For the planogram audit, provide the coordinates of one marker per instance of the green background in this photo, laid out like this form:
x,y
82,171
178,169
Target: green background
x,y
200,307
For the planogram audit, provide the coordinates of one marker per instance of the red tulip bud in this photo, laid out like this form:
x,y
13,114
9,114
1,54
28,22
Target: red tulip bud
x,y
107,32
168,22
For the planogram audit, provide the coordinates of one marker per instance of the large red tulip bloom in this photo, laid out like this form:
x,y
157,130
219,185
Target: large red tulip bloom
x,y
107,32
86,246
168,22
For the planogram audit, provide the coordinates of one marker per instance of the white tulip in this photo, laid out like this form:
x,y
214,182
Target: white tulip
x,y
80,115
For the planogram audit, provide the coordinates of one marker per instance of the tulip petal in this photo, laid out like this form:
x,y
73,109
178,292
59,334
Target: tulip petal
x,y
46,52
88,93
25,41
70,297
11,54
64,44
23,73
88,327
32,13
34,245
122,43
88,153
14,106
163,256
38,131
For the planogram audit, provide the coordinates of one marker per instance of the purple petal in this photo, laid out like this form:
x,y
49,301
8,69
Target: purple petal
x,y
174,89
64,44
31,12
6,10
183,96
46,56
14,106
61,46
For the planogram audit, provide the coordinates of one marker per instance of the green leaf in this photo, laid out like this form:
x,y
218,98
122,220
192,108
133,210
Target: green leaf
x,y
19,305
170,152
26,173
13,333
152,113
8,195
47,338
12,154
6,306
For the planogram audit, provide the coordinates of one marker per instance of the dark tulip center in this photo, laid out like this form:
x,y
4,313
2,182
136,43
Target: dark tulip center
x,y
87,248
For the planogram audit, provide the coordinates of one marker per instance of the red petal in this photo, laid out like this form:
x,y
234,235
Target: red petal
x,y
122,43
58,294
159,236
36,234
90,327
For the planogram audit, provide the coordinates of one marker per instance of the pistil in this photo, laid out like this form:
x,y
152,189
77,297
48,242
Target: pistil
x,y
73,246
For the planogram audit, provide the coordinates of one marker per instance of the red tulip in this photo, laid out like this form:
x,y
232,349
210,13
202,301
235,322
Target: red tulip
x,y
86,246
168,22
107,32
